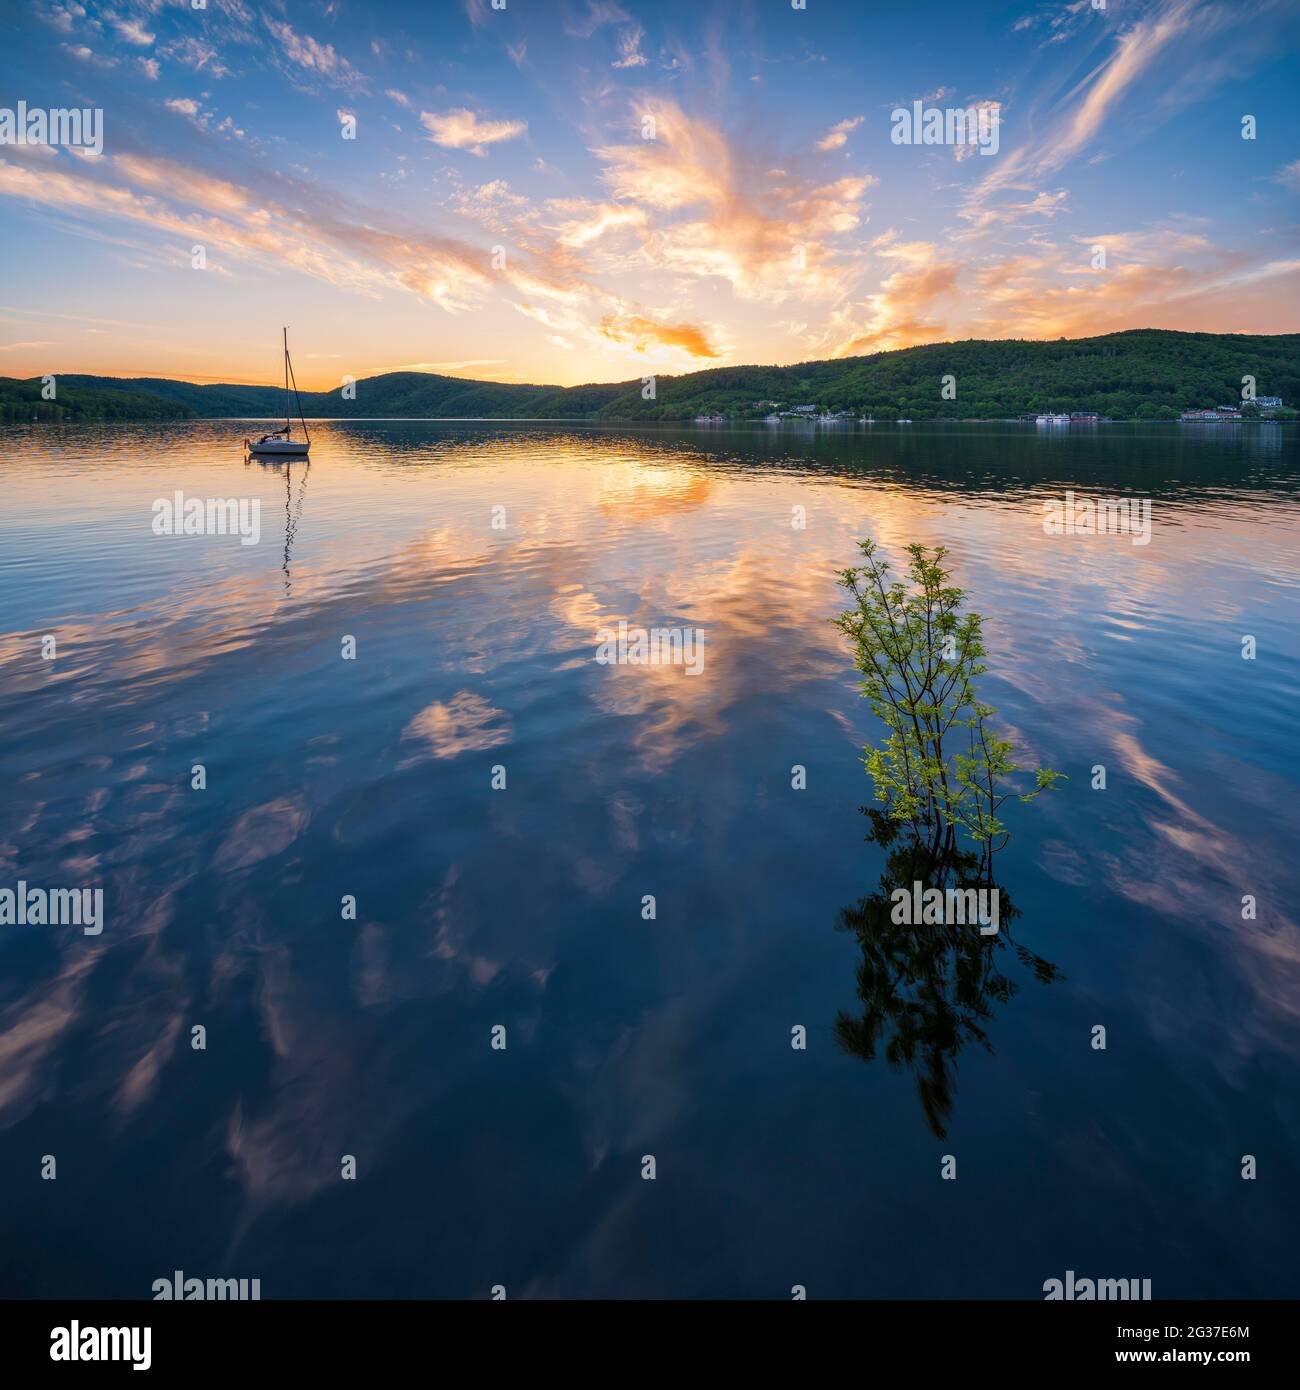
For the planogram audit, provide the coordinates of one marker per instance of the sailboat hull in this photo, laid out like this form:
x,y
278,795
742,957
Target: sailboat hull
x,y
294,448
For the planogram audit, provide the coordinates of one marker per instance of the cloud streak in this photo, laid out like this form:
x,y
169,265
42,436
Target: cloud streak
x,y
462,129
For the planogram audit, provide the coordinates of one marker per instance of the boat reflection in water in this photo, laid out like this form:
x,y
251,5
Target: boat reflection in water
x,y
292,507
928,989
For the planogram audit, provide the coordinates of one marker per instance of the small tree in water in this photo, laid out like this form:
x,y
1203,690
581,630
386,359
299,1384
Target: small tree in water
x,y
939,770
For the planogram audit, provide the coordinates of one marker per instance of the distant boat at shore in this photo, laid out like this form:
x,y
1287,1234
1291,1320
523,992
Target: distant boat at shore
x,y
281,443
1053,419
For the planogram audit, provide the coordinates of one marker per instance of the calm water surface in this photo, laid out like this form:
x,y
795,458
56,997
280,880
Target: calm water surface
x,y
522,907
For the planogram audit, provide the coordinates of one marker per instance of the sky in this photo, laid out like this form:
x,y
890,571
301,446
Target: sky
x,y
563,191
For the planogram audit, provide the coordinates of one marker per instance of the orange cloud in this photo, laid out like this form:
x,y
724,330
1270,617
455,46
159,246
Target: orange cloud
x,y
642,332
446,271
1165,278
182,181
768,233
897,315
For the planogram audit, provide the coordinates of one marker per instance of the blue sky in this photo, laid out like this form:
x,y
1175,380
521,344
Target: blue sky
x,y
577,190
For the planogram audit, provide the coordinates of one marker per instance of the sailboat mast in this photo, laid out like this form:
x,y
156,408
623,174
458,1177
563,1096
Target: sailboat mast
x,y
306,433
286,383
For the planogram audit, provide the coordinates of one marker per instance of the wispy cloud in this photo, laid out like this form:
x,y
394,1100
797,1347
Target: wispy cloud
x,y
1166,276
476,11
629,48
329,242
583,223
1059,21
837,137
711,213
83,53
900,313
449,366
461,129
1083,111
598,14
313,57
1136,50
194,53
133,31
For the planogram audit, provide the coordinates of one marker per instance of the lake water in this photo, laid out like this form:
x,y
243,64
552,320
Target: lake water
x,y
521,906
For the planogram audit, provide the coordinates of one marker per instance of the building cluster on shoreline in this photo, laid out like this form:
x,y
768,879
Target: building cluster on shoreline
x,y
1265,408
1261,408
1076,417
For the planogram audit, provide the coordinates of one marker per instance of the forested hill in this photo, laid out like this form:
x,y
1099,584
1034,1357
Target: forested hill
x,y
1142,374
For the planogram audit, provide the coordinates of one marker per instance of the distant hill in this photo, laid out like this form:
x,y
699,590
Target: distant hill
x,y
118,400
207,402
1140,374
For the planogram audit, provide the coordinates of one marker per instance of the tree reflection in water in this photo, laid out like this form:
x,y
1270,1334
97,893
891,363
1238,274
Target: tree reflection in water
x,y
927,990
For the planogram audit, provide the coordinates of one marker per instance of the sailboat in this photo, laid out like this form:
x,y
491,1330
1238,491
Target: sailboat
x,y
281,443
